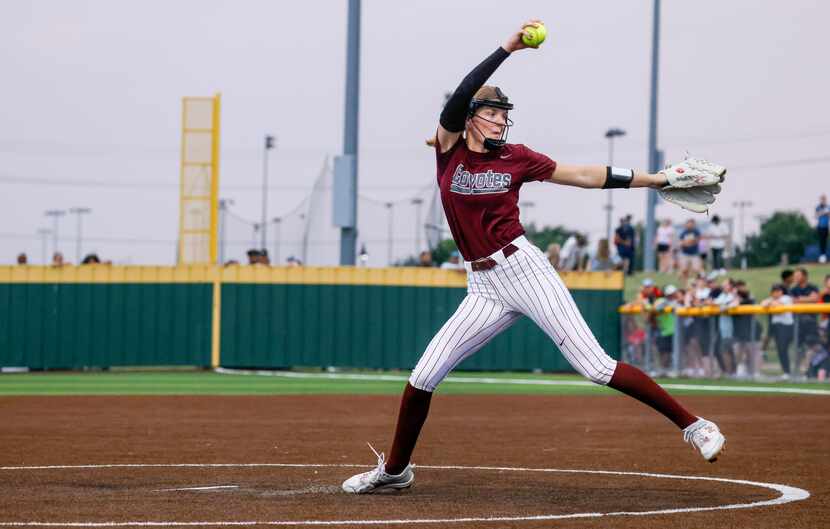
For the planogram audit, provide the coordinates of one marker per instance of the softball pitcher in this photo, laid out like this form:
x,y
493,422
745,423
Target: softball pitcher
x,y
479,175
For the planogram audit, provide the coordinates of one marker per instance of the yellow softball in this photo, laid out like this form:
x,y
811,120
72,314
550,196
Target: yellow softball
x,y
534,35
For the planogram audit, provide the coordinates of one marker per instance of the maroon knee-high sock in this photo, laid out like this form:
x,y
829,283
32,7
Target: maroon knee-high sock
x,y
413,413
634,383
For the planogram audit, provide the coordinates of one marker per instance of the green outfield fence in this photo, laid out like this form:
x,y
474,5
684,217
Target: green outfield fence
x,y
263,317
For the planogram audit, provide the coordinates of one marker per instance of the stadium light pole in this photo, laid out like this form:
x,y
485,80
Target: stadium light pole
x,y
417,202
348,233
304,254
79,234
56,214
270,143
610,134
223,222
390,234
525,206
44,239
653,155
277,224
254,232
742,205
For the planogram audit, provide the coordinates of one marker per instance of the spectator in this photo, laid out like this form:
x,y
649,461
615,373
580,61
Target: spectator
x,y
712,283
786,282
818,361
699,335
454,262
91,259
698,293
803,291
725,351
553,256
574,255
717,234
824,320
57,259
425,259
787,279
665,245
635,338
22,259
258,256
713,326
624,241
231,262
747,347
293,262
665,321
690,249
649,292
781,325
822,223
603,261
703,251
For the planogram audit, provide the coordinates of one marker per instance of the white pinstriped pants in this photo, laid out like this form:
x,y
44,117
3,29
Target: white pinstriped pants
x,y
523,284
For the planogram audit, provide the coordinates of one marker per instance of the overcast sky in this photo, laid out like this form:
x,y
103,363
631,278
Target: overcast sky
x,y
92,104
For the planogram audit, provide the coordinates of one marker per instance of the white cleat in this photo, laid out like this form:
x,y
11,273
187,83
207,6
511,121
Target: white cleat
x,y
706,438
378,480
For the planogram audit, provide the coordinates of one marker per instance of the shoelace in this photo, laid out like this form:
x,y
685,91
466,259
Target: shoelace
x,y
377,472
380,456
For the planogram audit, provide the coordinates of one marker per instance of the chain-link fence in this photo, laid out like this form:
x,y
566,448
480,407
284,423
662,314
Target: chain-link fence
x,y
744,342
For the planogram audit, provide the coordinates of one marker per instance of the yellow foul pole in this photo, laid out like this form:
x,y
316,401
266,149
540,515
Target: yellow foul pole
x,y
216,335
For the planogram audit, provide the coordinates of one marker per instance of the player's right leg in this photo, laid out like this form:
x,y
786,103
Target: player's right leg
x,y
476,321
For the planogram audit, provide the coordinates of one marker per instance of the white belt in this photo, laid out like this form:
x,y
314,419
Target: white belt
x,y
498,256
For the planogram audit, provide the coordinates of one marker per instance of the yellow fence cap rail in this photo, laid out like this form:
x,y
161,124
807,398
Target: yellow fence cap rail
x,y
103,273
714,310
312,275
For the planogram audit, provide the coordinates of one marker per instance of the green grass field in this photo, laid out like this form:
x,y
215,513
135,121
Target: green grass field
x,y
364,383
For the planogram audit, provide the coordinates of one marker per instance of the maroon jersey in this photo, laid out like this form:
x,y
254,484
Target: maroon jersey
x,y
480,193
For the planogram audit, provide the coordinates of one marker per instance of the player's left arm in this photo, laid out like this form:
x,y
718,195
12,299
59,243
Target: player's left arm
x,y
601,176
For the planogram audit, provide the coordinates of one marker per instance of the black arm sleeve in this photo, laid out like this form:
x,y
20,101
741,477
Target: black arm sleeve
x,y
455,111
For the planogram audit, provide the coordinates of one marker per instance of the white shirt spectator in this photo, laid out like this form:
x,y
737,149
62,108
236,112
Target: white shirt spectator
x,y
702,294
571,255
665,235
785,317
725,300
717,234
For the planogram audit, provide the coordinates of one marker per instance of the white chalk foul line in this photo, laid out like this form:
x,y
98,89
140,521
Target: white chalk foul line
x,y
788,494
211,487
514,381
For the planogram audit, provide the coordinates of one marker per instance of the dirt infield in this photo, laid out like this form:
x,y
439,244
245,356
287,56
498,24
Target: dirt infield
x,y
778,440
